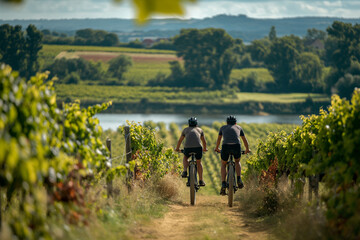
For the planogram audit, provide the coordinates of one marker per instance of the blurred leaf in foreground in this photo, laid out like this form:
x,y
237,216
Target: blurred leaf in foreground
x,y
145,8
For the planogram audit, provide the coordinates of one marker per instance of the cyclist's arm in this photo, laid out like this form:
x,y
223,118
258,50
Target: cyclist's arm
x,y
202,138
218,143
246,144
179,143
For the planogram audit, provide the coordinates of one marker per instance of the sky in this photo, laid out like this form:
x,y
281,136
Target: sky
x,y
64,9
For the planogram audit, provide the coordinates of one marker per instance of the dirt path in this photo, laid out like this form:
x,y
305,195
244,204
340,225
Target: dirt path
x,y
211,218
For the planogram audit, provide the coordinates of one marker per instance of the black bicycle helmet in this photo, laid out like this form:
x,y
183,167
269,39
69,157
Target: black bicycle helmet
x,y
231,120
193,122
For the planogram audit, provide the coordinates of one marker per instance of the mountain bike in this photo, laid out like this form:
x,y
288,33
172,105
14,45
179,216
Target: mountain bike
x,y
192,178
231,185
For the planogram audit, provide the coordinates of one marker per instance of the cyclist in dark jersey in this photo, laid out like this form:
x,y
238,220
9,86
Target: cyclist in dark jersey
x,y
193,136
231,144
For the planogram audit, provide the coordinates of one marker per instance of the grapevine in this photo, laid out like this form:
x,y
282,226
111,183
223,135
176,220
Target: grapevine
x,y
150,155
44,147
325,144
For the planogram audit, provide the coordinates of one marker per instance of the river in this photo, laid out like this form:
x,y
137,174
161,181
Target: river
x,y
113,121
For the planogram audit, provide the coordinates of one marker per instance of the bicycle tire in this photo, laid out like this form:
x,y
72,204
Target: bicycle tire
x,y
192,184
231,186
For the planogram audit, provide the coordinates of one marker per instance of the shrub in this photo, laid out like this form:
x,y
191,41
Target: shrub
x,y
72,78
170,187
86,70
252,83
119,65
345,86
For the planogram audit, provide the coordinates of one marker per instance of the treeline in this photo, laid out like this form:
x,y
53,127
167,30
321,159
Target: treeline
x,y
20,48
82,37
91,37
296,64
72,71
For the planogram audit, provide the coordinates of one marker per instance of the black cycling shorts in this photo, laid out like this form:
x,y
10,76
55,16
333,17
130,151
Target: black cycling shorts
x,y
198,152
227,149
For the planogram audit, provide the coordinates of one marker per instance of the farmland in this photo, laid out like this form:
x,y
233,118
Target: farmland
x,y
54,50
173,95
147,63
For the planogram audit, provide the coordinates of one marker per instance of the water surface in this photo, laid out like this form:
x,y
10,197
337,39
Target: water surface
x,y
113,121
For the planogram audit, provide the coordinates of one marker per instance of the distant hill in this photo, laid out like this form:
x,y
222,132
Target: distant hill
x,y
239,26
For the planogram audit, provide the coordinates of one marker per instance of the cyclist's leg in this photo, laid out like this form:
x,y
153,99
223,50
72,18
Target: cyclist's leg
x,y
185,163
223,177
200,169
198,157
223,170
224,158
237,156
238,173
238,166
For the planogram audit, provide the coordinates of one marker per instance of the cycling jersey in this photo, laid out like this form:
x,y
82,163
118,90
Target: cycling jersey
x,y
192,137
231,134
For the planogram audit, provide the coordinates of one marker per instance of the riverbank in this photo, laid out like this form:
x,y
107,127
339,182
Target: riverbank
x,y
249,107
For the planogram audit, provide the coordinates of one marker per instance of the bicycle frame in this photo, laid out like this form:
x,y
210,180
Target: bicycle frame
x,y
231,180
192,178
194,186
231,184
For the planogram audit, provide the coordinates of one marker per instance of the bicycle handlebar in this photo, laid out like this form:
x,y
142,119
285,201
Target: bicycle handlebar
x,y
242,152
182,151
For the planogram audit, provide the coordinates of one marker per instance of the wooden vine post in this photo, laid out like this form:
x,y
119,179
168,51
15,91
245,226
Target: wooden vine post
x,y
128,154
109,184
314,186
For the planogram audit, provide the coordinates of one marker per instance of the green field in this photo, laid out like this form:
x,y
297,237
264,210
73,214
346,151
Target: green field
x,y
262,73
147,64
143,69
54,50
173,95
49,52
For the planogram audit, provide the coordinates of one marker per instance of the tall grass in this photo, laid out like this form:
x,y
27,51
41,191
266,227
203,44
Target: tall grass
x,y
290,216
113,218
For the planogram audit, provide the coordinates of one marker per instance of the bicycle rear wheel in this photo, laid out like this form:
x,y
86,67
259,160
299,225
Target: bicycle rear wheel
x,y
231,186
192,184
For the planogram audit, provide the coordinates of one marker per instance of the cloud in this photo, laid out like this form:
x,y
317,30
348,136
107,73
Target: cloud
x,y
275,8
55,9
333,3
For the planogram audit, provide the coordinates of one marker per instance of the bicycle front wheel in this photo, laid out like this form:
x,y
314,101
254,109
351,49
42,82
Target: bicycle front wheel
x,y
192,184
231,186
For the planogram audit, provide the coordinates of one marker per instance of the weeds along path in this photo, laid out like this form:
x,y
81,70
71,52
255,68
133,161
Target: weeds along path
x,y
211,218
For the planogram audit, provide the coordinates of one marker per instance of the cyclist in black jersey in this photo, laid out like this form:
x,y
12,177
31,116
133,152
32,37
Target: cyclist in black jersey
x,y
231,144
